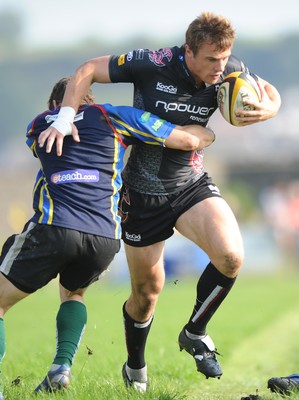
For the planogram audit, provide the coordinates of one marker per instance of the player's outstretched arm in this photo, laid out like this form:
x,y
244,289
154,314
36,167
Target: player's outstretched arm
x,y
190,137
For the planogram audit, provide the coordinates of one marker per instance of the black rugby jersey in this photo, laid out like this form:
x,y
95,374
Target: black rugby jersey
x,y
164,86
80,189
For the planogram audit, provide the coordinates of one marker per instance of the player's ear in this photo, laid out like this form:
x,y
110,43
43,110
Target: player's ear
x,y
187,48
188,51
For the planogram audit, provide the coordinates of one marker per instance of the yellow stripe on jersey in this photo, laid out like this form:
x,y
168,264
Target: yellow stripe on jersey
x,y
141,133
44,194
114,206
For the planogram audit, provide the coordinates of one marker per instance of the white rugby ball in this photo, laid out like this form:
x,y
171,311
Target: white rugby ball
x,y
234,89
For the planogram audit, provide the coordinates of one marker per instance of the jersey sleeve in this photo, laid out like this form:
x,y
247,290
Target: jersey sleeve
x,y
36,126
31,134
145,126
29,137
126,67
136,64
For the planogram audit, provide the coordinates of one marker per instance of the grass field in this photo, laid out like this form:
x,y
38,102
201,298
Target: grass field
x,y
256,331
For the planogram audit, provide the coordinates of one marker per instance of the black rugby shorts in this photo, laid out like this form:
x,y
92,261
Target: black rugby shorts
x,y
149,219
41,252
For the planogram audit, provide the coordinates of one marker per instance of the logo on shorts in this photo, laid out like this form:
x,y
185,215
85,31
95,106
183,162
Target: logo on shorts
x,y
214,189
133,237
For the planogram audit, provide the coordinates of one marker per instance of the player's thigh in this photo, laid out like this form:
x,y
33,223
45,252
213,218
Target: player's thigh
x,y
211,224
35,256
146,264
9,294
67,295
92,257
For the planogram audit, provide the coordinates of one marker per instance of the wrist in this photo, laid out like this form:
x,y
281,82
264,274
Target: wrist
x,y
67,113
64,120
64,127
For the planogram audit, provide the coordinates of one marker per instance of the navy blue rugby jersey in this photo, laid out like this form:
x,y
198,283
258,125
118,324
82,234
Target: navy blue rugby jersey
x,y
164,86
80,189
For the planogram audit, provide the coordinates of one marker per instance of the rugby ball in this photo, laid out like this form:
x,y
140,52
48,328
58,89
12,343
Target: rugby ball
x,y
234,89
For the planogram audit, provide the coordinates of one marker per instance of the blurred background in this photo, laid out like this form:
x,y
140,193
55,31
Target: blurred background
x,y
256,168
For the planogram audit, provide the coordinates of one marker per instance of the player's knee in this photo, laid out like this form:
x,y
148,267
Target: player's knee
x,y
67,295
233,263
3,310
147,305
230,263
147,298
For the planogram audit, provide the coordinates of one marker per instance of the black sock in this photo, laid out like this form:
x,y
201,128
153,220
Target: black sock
x,y
212,288
136,335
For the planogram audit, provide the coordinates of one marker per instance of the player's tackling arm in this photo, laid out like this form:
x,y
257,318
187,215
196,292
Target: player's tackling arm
x,y
94,70
190,137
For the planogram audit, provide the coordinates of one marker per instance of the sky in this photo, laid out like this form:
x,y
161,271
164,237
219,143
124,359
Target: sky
x,y
65,22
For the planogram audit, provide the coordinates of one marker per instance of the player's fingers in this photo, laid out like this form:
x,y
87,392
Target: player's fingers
x,y
75,133
246,113
43,137
59,144
248,120
50,141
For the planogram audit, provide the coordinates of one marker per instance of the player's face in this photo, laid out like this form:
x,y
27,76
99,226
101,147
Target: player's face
x,y
207,64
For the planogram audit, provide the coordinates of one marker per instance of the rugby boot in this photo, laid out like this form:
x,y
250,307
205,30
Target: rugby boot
x,y
204,353
55,380
284,385
139,382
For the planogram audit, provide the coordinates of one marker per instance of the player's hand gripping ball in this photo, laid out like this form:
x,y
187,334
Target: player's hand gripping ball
x,y
234,89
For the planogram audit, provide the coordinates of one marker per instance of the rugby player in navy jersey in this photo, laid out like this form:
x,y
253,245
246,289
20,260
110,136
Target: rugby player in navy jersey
x,y
75,230
165,188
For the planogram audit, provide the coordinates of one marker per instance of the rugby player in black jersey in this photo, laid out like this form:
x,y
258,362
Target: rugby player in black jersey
x,y
75,230
166,189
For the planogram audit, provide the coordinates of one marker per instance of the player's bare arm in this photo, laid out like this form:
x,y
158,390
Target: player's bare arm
x,y
267,108
94,70
190,137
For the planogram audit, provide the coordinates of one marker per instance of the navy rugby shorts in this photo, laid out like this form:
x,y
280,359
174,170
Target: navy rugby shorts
x,y
40,253
149,219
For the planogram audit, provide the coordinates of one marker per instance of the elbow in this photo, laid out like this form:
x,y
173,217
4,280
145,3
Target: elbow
x,y
192,144
87,70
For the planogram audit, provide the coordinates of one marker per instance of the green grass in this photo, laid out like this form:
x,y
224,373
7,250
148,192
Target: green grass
x,y
256,331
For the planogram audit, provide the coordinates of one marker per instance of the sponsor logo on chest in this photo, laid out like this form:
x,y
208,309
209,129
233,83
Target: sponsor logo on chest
x,y
166,88
185,108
